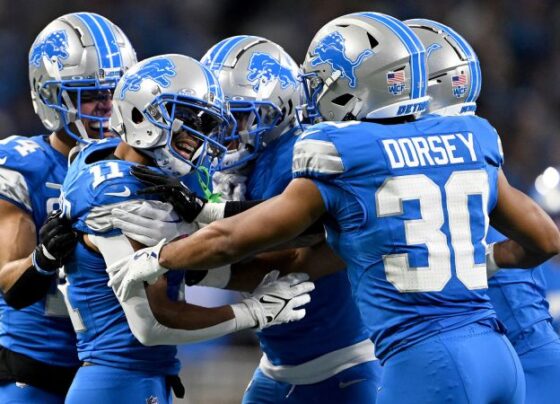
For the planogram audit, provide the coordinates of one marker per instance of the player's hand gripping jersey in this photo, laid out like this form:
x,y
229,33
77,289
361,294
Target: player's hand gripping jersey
x,y
409,210
31,174
96,183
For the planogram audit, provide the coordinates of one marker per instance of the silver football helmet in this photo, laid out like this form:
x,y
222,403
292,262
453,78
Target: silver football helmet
x,y
77,56
260,81
365,65
454,70
173,109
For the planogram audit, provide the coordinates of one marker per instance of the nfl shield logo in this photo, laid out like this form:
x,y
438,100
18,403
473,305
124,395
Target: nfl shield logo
x,y
152,400
396,82
459,85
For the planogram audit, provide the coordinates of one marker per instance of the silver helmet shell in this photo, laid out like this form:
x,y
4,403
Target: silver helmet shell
x,y
454,70
365,65
169,94
74,53
260,80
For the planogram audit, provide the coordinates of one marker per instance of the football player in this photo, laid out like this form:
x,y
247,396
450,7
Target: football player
x,y
327,356
74,65
408,204
518,296
128,355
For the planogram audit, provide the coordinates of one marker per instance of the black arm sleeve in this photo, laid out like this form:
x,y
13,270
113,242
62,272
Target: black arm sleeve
x,y
29,288
235,207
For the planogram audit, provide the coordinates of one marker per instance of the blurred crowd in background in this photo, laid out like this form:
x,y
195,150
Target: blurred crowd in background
x,y
517,43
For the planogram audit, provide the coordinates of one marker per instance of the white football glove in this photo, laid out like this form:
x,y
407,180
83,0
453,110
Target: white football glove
x,y
142,266
275,300
150,221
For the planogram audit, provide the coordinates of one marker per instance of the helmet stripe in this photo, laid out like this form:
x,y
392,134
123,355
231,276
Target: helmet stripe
x,y
474,64
415,48
208,61
221,56
115,54
106,47
212,82
86,19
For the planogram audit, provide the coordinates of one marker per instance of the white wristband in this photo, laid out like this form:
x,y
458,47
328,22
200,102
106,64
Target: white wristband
x,y
491,266
243,316
217,277
211,212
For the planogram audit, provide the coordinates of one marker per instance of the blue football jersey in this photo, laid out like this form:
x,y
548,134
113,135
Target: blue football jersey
x,y
519,298
31,174
408,211
94,185
332,320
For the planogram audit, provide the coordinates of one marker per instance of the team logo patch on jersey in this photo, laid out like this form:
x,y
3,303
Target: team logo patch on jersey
x,y
459,85
331,50
152,400
263,68
432,48
396,82
55,45
158,70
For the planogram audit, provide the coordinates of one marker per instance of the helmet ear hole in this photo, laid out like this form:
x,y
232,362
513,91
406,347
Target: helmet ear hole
x,y
137,116
343,99
372,41
290,106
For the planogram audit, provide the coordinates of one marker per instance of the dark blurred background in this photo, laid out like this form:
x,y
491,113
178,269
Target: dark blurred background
x,y
517,42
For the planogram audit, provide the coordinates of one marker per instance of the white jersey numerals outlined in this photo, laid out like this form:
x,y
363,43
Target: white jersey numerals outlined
x,y
24,146
98,178
427,230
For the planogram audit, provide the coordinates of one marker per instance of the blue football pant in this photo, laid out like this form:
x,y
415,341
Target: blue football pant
x,y
19,393
473,364
542,374
355,385
98,384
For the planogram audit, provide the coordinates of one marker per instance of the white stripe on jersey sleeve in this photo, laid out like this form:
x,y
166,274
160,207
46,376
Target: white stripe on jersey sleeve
x,y
316,156
14,187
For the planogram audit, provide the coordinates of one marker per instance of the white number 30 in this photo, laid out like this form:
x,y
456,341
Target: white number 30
x,y
427,230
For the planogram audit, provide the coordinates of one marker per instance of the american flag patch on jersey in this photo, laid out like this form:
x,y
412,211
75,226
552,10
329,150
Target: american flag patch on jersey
x,y
396,81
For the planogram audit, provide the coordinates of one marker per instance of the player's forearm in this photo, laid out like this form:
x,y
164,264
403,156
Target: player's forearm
x,y
246,275
207,248
521,219
185,316
261,228
12,271
511,254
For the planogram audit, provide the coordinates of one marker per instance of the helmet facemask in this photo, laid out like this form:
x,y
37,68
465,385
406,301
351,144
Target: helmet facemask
x,y
68,96
193,133
253,120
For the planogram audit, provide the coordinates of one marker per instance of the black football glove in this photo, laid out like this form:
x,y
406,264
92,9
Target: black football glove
x,y
184,201
57,241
